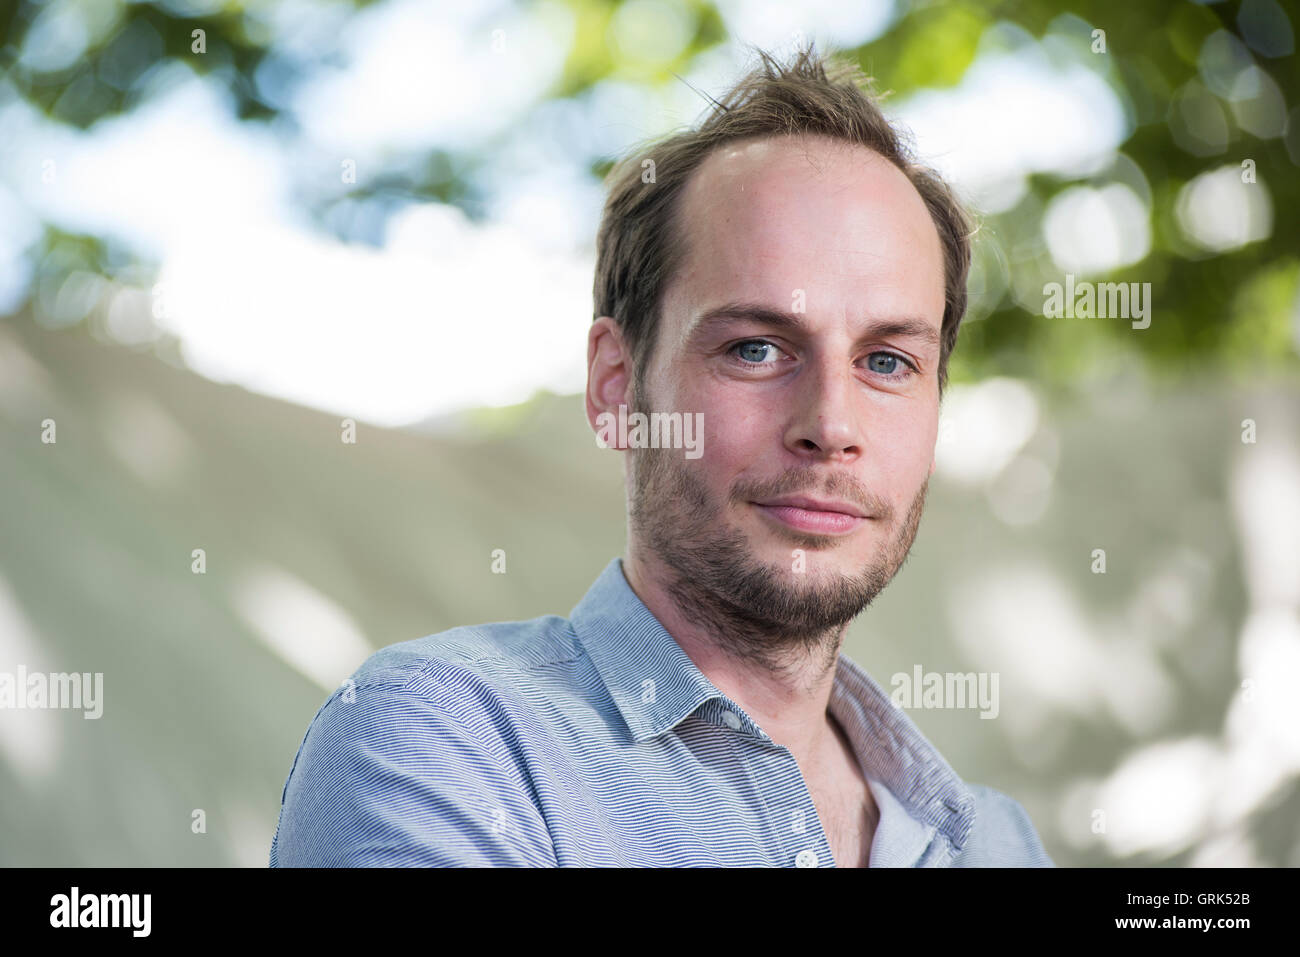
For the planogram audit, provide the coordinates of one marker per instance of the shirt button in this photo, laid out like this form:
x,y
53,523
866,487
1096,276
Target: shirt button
x,y
730,720
806,858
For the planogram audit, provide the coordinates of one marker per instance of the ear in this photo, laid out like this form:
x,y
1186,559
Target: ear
x,y
609,379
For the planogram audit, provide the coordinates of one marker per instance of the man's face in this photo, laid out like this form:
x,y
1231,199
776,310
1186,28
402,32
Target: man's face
x,y
827,404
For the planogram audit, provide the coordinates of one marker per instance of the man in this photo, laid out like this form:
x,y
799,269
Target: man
x,y
786,272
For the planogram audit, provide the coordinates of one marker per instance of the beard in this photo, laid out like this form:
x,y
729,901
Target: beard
x,y
769,613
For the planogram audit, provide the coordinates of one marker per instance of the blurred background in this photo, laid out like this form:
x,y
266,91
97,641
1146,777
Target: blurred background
x,y
232,232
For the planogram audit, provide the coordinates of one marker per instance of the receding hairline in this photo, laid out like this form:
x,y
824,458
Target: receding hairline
x,y
786,143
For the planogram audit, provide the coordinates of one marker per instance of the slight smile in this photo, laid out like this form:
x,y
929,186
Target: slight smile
x,y
811,515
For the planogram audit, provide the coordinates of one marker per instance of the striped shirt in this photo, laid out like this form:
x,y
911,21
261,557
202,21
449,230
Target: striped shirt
x,y
594,740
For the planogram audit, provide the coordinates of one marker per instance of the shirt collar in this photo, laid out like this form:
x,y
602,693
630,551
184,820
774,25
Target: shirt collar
x,y
655,685
900,839
652,681
893,751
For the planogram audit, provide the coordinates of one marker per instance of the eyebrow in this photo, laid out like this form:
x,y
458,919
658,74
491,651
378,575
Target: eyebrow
x,y
907,326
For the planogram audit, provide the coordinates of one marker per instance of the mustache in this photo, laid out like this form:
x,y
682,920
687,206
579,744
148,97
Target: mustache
x,y
812,482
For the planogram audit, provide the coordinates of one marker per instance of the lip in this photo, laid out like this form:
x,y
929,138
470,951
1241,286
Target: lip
x,y
813,515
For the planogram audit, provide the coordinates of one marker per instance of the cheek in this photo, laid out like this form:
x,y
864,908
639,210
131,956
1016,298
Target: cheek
x,y
738,427
904,445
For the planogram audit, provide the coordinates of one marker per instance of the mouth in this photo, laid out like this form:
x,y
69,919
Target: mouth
x,y
813,515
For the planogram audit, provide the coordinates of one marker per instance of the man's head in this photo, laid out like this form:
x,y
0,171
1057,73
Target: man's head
x,y
788,272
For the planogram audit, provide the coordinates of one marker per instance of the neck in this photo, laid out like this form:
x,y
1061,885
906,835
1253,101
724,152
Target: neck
x,y
782,680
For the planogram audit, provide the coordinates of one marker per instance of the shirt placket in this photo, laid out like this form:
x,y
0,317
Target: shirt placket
x,y
801,839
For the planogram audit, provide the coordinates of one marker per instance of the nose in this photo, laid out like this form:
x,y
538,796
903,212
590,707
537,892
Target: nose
x,y
826,425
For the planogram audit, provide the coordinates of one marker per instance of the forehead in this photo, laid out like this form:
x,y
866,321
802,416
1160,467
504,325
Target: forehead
x,y
764,218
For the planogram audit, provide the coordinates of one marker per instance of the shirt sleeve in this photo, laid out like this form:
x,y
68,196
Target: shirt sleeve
x,y
394,779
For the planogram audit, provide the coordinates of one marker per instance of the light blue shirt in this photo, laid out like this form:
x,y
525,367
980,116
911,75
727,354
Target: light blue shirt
x,y
594,740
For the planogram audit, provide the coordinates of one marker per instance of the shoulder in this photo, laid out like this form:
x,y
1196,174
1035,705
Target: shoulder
x,y
477,682
1002,836
471,658
485,680
414,758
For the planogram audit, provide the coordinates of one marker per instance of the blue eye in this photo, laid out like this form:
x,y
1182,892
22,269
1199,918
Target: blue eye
x,y
752,350
888,357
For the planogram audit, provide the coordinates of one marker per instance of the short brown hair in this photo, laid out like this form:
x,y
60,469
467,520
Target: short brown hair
x,y
638,248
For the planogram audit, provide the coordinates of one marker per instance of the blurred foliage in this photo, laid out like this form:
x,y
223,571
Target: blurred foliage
x,y
1166,60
